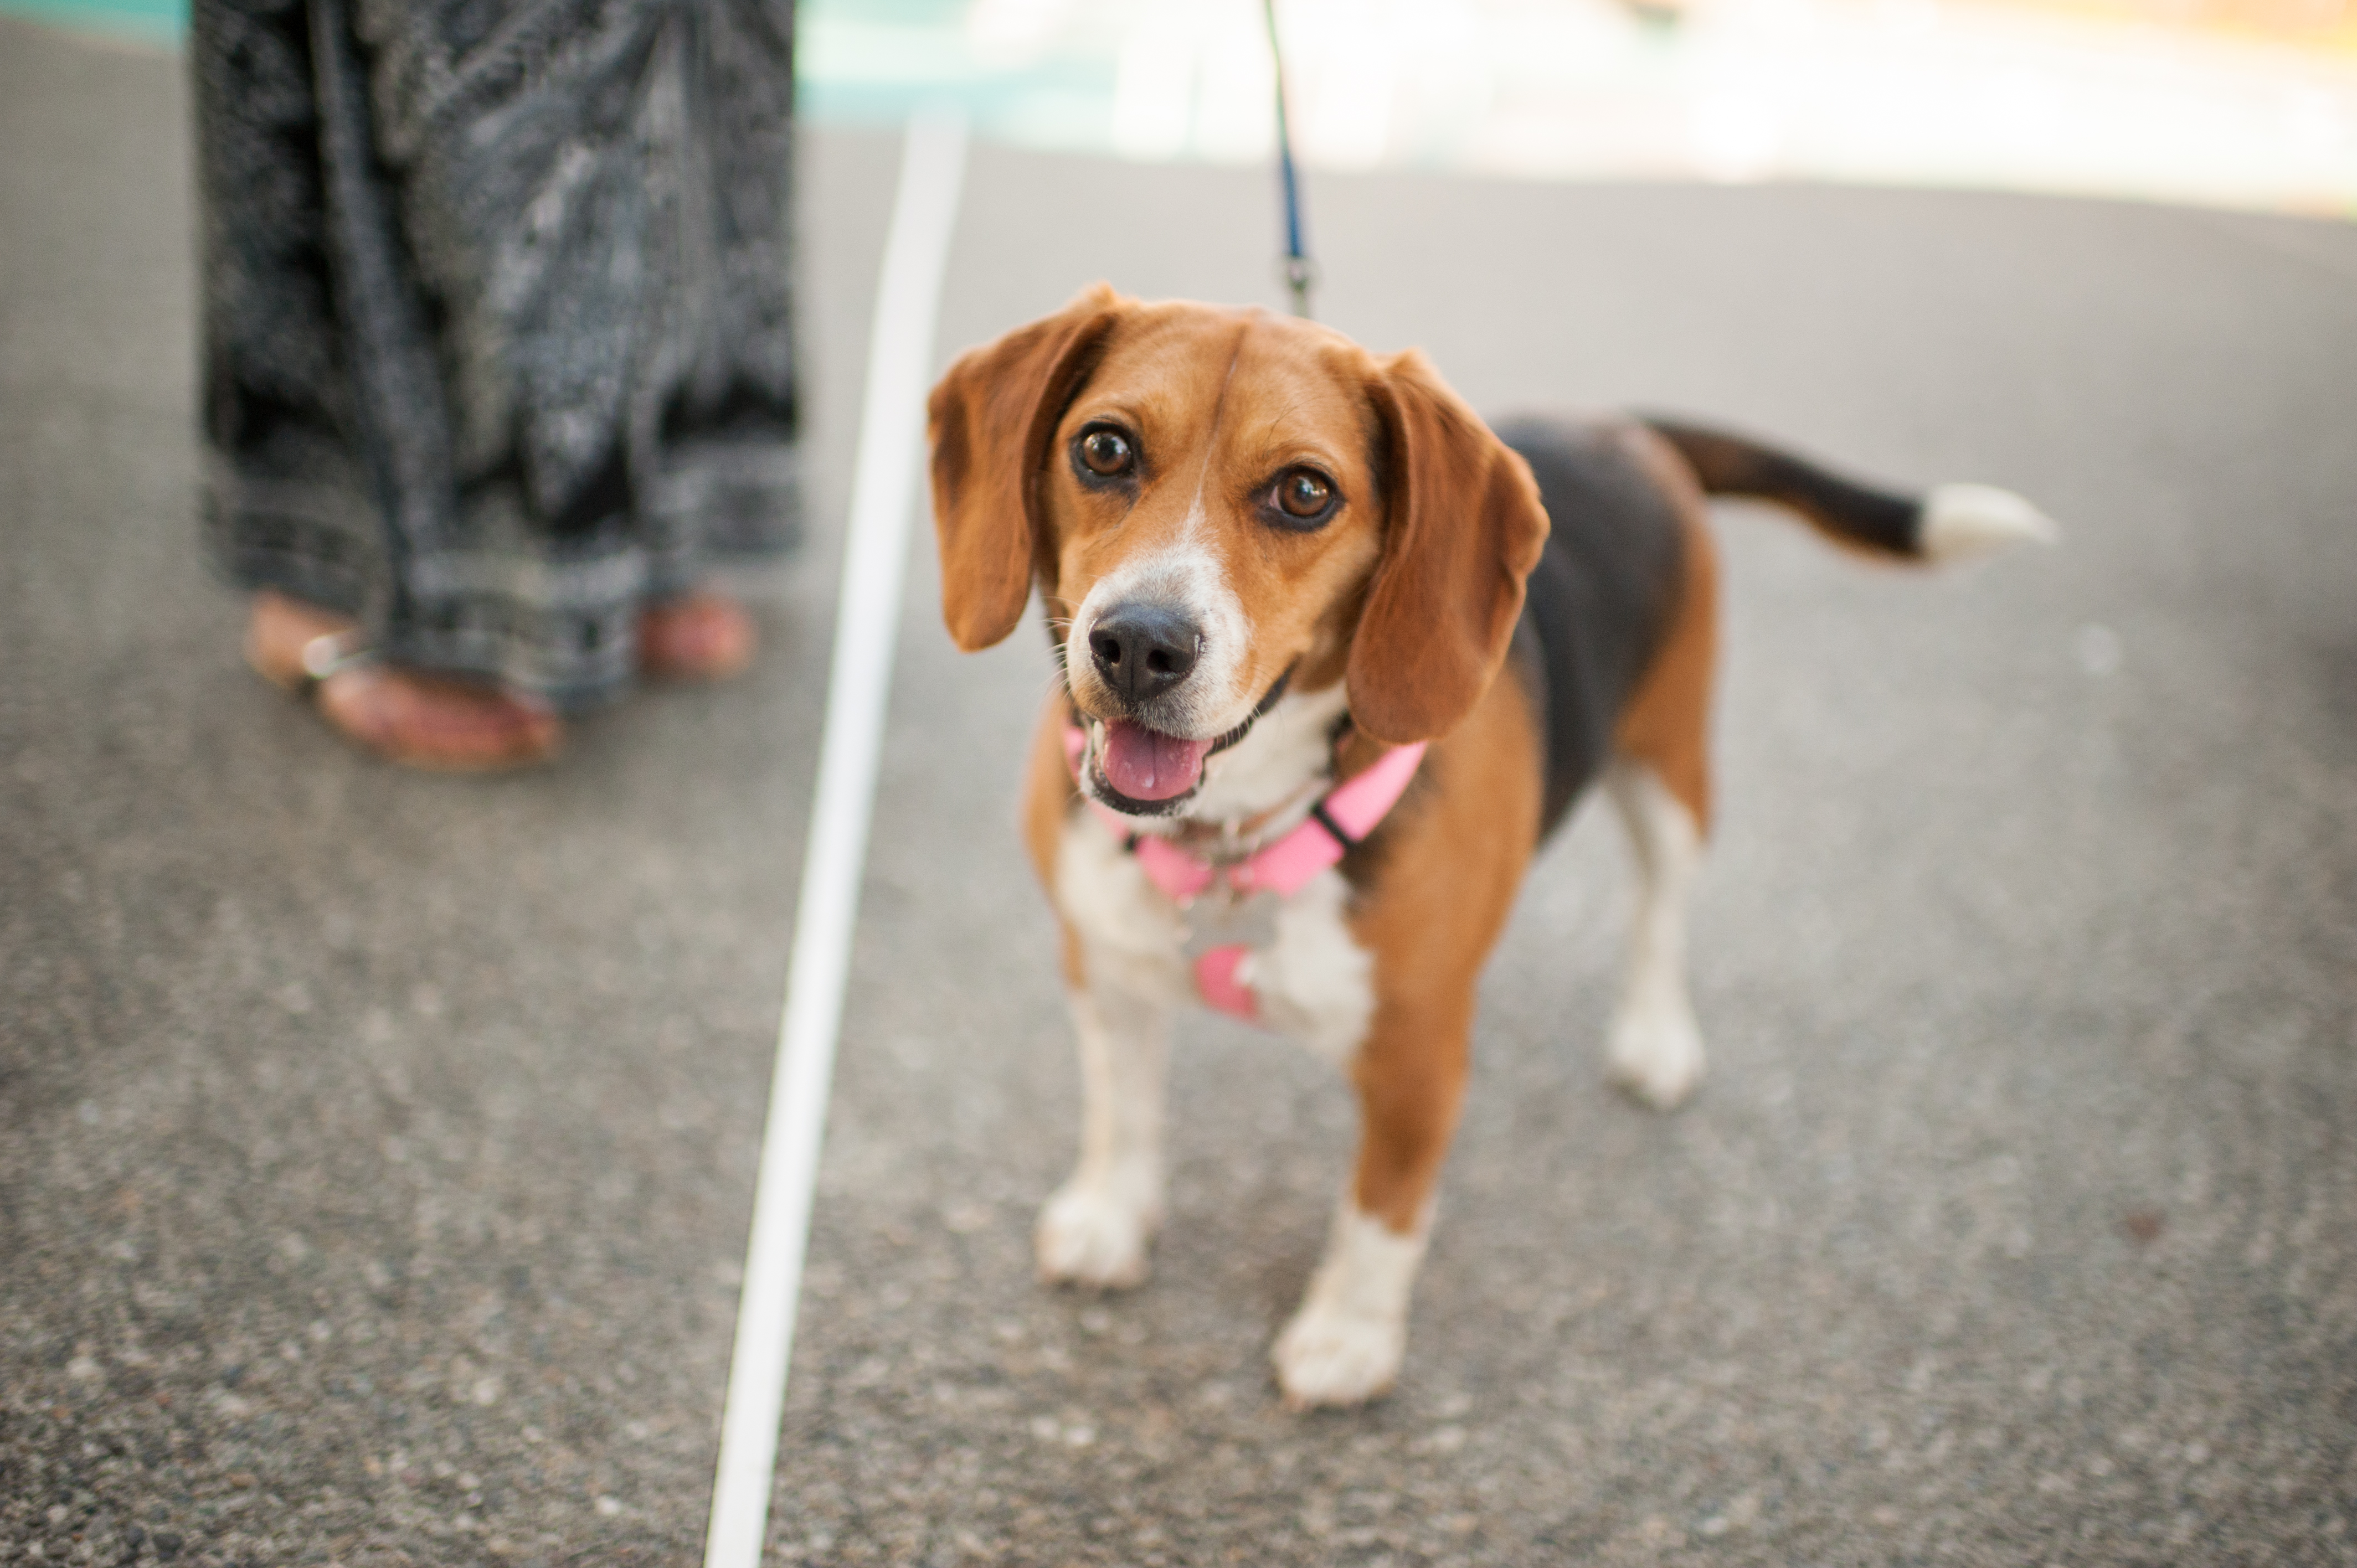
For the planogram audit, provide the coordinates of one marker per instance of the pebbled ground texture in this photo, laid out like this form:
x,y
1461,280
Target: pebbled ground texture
x,y
376,1149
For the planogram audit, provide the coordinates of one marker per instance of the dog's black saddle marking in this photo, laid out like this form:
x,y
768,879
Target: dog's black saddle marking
x,y
1602,595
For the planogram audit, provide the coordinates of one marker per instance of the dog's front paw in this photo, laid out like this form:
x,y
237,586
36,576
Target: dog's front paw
x,y
1657,1053
1090,1233
1328,1356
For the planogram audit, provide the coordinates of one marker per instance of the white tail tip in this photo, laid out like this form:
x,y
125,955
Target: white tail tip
x,y
1964,522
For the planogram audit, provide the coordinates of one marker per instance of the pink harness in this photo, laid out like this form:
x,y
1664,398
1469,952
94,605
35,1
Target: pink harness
x,y
1337,822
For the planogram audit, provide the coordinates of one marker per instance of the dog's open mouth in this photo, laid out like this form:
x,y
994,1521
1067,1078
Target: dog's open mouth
x,y
1147,773
1147,764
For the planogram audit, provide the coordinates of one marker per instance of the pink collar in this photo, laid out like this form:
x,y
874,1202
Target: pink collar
x,y
1337,823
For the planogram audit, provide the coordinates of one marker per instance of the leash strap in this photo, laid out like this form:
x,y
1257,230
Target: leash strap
x,y
1298,272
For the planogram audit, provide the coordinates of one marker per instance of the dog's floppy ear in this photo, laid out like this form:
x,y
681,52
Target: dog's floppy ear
x,y
990,420
1463,528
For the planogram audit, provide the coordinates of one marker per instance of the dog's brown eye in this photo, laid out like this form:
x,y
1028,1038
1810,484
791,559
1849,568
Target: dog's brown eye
x,y
1106,453
1304,493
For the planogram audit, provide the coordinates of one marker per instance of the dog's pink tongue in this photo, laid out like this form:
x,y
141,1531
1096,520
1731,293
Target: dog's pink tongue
x,y
1146,765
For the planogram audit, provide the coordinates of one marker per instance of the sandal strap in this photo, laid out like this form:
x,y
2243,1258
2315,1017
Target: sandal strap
x,y
330,653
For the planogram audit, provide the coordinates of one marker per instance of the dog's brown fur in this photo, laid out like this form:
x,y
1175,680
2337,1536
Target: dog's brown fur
x,y
1408,596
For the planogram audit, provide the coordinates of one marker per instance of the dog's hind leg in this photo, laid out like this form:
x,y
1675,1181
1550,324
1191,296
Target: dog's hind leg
x,y
1122,968
1660,780
1656,1049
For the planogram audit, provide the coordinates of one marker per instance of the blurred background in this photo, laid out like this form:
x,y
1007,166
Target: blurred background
x,y
2232,103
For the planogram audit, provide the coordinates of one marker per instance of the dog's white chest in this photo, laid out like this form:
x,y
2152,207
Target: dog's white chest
x,y
1308,976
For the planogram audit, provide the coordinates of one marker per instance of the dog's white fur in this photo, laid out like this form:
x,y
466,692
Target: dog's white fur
x,y
1964,522
1313,982
1189,576
1095,1230
1276,765
1656,1049
1346,1342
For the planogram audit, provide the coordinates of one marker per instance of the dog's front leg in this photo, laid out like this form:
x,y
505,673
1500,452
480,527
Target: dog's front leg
x,y
1344,1345
1123,941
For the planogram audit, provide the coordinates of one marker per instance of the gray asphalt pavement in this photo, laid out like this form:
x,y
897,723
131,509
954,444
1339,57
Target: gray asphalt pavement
x,y
376,1150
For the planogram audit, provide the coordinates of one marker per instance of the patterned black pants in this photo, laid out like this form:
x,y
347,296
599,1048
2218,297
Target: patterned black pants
x,y
497,314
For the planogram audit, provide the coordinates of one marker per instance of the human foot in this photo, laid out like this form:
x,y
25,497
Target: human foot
x,y
701,636
414,719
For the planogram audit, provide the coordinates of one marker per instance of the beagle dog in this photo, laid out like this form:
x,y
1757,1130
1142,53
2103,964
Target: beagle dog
x,y
1334,649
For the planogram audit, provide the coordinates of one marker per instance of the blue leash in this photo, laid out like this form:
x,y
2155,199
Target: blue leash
x,y
1298,272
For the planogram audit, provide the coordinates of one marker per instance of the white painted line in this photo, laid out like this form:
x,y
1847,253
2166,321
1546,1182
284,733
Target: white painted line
x,y
876,547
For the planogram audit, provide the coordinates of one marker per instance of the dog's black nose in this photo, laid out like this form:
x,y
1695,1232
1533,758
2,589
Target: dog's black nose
x,y
1143,651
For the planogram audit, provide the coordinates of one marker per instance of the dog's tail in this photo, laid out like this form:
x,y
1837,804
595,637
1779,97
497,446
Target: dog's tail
x,y
1953,523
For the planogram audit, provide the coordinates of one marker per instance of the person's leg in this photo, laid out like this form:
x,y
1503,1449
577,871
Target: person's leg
x,y
494,583
291,512
722,484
